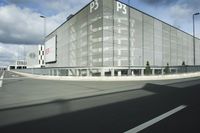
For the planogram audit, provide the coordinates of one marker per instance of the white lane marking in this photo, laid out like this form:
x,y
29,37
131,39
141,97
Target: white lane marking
x,y
1,79
16,78
14,75
155,120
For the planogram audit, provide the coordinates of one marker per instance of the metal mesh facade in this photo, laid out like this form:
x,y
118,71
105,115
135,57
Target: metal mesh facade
x,y
107,33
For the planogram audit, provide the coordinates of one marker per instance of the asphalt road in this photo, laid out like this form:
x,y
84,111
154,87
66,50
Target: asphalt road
x,y
1,72
117,116
11,75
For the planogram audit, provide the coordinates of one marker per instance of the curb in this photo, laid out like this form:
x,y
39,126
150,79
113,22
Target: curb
x,y
131,78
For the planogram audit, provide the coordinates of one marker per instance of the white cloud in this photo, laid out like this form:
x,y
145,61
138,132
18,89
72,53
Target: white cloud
x,y
22,25
175,12
180,11
53,6
8,54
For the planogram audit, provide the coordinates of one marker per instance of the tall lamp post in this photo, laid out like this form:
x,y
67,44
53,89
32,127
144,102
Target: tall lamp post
x,y
194,36
44,18
129,46
44,34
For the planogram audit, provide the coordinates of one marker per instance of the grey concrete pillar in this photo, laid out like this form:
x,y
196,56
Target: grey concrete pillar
x,y
133,74
112,72
142,72
88,72
129,72
102,72
80,72
57,72
153,71
53,72
49,72
119,73
76,72
162,72
69,72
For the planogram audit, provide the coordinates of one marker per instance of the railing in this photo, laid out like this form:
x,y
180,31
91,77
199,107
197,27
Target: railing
x,y
64,71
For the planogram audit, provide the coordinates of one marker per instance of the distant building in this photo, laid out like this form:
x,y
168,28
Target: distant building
x,y
19,64
35,56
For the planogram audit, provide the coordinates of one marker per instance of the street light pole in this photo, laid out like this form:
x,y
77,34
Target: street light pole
x,y
194,36
129,45
44,34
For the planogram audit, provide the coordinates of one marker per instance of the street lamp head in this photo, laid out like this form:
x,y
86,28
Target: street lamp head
x,y
42,16
197,13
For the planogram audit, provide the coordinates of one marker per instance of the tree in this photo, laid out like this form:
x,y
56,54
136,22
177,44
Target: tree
x,y
184,68
167,70
183,64
147,70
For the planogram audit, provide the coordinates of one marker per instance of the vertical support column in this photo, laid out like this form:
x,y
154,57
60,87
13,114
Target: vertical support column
x,y
50,72
142,72
119,73
57,72
80,72
88,72
102,72
162,71
77,72
129,72
53,73
69,72
113,72
153,71
133,74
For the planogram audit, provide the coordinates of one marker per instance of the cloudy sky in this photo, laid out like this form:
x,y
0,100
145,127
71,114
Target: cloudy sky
x,y
21,25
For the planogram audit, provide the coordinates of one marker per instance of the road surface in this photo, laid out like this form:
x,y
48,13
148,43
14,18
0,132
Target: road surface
x,y
155,107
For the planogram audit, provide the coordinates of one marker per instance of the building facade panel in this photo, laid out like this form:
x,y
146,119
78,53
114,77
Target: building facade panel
x,y
158,43
148,39
197,52
137,28
173,47
108,33
121,33
95,34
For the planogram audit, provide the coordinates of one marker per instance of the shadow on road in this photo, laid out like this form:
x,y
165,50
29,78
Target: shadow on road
x,y
98,115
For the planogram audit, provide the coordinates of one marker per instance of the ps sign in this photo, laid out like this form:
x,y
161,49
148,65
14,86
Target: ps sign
x,y
121,7
94,5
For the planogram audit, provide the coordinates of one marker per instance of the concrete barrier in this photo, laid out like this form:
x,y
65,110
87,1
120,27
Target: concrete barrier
x,y
112,78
